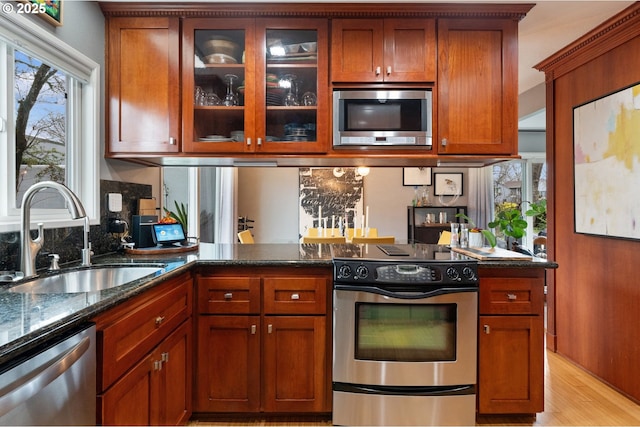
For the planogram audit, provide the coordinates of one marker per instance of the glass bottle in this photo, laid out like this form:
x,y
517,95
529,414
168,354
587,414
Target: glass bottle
x,y
425,197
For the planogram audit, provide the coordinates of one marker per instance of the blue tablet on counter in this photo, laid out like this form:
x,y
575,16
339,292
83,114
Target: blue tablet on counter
x,y
168,234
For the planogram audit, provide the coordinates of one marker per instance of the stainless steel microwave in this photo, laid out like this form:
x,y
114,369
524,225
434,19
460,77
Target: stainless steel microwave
x,y
382,117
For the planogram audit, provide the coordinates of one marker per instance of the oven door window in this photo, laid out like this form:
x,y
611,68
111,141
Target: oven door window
x,y
405,332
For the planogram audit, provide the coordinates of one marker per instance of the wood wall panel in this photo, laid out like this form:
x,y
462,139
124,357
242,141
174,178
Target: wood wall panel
x,y
595,293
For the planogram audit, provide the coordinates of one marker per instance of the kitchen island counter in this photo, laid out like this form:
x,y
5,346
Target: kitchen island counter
x,y
27,325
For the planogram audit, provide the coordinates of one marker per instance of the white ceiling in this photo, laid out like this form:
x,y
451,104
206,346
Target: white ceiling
x,y
552,25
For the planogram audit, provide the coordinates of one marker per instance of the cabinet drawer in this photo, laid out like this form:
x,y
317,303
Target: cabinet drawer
x,y
228,295
128,332
511,296
295,295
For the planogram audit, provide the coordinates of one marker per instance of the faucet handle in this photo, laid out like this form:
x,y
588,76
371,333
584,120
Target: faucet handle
x,y
54,262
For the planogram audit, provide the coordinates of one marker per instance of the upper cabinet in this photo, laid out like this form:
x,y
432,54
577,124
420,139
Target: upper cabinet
x,y
143,85
477,87
383,50
255,85
219,84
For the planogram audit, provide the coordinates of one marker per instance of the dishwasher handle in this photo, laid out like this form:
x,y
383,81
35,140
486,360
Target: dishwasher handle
x,y
32,383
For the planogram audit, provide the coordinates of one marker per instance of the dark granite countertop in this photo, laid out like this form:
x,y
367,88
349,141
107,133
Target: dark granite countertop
x,y
31,321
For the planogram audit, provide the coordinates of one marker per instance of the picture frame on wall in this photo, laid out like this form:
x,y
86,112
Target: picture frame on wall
x,y
606,140
48,10
412,177
448,184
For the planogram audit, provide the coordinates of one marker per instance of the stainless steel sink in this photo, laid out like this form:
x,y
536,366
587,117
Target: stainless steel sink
x,y
87,280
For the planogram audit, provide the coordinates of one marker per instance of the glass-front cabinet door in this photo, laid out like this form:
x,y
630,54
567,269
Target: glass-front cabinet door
x,y
255,85
217,100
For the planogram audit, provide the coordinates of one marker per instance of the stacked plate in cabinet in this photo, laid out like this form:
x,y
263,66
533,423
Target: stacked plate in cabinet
x,y
214,138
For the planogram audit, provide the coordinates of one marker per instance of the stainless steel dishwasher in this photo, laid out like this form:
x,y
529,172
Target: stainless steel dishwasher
x,y
54,386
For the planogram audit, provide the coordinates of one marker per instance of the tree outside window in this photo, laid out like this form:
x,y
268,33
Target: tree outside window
x,y
40,127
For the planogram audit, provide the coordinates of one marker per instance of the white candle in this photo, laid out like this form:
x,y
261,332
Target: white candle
x,y
333,221
319,216
367,218
362,225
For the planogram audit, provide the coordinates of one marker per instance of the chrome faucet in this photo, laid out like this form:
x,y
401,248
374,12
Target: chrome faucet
x,y
29,248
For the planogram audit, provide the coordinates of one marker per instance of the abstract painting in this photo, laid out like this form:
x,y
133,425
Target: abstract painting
x,y
332,194
606,152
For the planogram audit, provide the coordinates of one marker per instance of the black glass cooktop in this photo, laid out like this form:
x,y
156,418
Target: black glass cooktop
x,y
397,252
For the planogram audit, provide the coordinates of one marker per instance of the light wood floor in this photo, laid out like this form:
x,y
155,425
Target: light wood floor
x,y
572,398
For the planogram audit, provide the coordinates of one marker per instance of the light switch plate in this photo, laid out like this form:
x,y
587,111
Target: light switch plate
x,y
114,202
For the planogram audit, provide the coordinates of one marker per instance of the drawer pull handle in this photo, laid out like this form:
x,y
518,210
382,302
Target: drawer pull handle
x,y
228,295
487,329
253,329
512,297
270,328
159,320
295,296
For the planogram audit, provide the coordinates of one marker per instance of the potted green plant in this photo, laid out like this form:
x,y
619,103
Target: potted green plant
x,y
512,224
538,210
179,215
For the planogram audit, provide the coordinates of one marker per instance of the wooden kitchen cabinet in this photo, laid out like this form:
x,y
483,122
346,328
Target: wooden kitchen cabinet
x,y
477,96
144,370
143,85
383,50
156,391
279,69
270,359
511,341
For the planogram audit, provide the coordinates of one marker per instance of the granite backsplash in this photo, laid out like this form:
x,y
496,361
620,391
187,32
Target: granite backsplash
x,y
67,242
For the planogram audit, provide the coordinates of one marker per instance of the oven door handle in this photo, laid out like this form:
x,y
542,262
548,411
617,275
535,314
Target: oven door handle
x,y
403,295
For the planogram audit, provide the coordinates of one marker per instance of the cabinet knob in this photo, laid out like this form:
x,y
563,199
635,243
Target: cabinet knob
x,y
159,320
444,142
512,297
157,365
269,328
295,296
259,142
388,70
253,329
172,141
487,329
248,142
228,295
377,71
164,357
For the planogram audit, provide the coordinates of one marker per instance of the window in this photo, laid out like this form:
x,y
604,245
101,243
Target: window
x,y
48,123
518,183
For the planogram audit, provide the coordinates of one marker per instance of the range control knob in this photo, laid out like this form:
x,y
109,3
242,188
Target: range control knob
x,y
362,272
452,274
469,274
344,271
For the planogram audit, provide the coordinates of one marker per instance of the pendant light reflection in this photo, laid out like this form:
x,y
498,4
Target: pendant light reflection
x,y
362,171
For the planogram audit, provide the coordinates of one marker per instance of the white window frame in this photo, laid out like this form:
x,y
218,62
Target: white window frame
x,y
83,130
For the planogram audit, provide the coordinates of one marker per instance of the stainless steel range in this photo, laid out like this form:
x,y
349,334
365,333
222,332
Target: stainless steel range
x,y
404,328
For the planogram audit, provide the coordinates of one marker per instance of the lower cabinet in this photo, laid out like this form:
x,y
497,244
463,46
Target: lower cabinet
x,y
264,356
511,341
156,390
145,357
